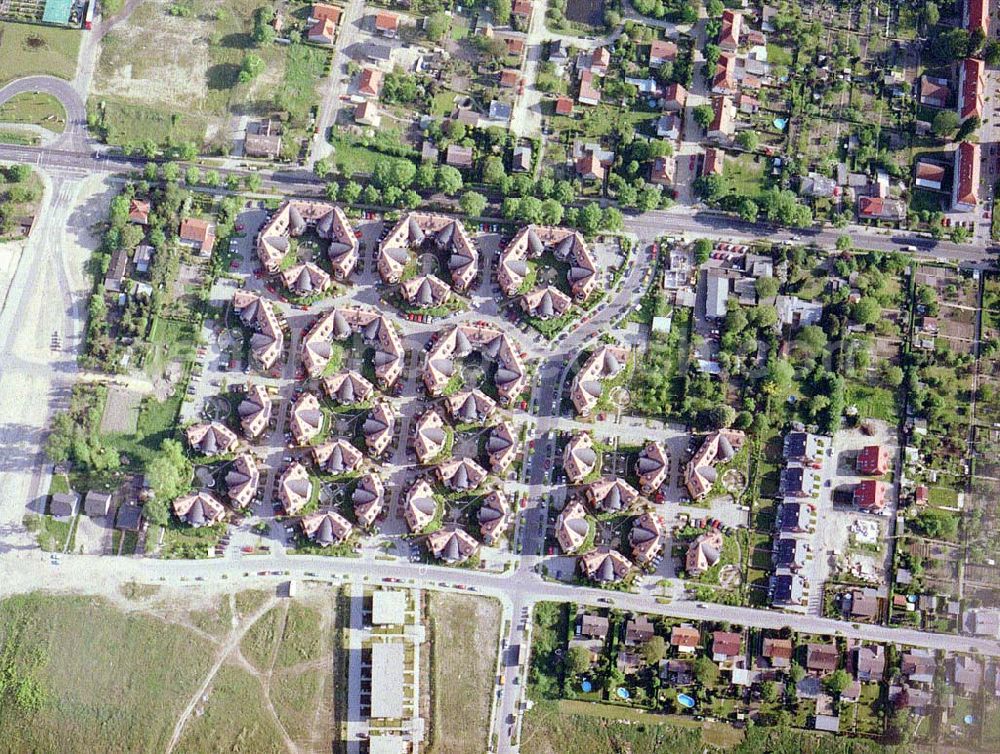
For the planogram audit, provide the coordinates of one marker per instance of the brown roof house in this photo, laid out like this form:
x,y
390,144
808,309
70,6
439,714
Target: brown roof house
x,y
368,498
370,82
501,445
212,438
326,528
593,626
242,480
378,428
420,507
199,509
725,646
652,466
645,538
638,630
348,388
387,24
703,552
306,418
685,638
494,517
611,494
778,652
254,411
198,234
605,565
579,458
572,527
822,658
429,436
294,488
337,457
97,503
451,544
461,474
138,211
869,662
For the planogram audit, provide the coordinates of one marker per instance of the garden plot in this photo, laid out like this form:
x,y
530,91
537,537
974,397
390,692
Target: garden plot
x,y
121,411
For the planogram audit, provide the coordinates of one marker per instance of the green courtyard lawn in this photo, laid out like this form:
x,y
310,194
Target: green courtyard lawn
x,y
35,109
32,50
872,402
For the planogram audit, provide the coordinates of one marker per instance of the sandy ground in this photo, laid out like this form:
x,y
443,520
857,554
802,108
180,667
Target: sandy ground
x,y
10,254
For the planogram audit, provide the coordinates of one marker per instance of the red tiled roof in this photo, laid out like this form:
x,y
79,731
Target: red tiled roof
x,y
662,49
386,21
966,174
564,106
370,81
725,73
713,162
323,12
521,8
509,78
729,34
870,495
676,93
977,16
971,89
928,171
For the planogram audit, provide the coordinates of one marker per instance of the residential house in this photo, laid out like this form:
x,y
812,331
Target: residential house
x,y
929,175
63,504
661,172
386,24
789,552
500,112
564,106
370,82
605,565
685,638
967,674
879,208
590,168
982,622
129,517
366,114
704,552
212,438
459,156
934,92
798,481
138,211
822,658
420,506
521,9
115,275
589,93
521,159
579,458
674,97
198,509
725,646
638,630
451,544
662,51
794,517
787,588
805,448
325,528
509,78
717,447
976,17
295,488
870,495
796,313
610,494
645,538
97,503
778,652
731,30
324,20
965,191
592,626
572,527
869,663
652,466
714,162
668,126
918,666
198,234
864,604
746,103
723,125
724,80
142,258
873,460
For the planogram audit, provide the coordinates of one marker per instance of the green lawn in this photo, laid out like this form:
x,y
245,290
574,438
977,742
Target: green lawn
x,y
96,670
129,123
744,175
31,50
19,138
36,109
872,402
778,55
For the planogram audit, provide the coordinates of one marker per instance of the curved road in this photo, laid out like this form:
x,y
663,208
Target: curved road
x,y
75,136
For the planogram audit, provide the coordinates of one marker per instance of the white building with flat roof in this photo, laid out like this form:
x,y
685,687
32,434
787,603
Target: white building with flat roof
x,y
388,608
388,662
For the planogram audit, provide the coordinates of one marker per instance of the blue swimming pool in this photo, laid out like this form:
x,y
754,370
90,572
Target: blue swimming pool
x,y
622,692
586,687
685,701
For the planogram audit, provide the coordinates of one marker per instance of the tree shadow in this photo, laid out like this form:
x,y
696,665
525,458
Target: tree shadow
x,y
223,76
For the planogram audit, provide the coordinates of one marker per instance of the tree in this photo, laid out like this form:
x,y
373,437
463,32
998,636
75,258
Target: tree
x,y
448,180
253,182
251,68
351,192
811,340
437,25
748,210
472,204
212,179
960,234
836,682
552,212
945,123
410,199
577,660
324,167
703,115
332,189
766,287
867,311
653,650
169,473
968,128
530,210
563,192
590,218
370,195
705,671
719,417
192,175
493,171
796,672
170,171
991,52
931,14
263,31
748,140
501,11
714,8
187,150
935,523
950,46
769,691
149,171
892,375
612,220
17,173
843,243
702,250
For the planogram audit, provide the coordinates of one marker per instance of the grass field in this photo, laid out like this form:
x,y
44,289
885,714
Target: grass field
x,y
872,402
548,729
465,633
19,138
31,50
233,719
97,670
37,109
139,81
